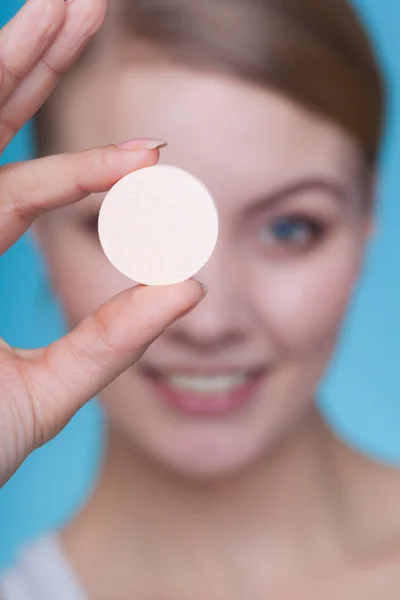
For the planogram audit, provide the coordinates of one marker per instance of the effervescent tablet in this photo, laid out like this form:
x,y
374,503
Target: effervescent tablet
x,y
158,225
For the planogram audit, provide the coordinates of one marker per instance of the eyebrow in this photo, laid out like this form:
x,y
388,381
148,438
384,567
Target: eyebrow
x,y
333,188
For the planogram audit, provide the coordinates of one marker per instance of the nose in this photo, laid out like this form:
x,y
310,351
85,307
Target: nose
x,y
223,318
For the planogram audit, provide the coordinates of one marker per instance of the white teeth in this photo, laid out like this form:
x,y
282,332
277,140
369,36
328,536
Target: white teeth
x,y
206,383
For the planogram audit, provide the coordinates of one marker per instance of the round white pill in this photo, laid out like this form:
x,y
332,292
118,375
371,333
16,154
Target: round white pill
x,y
158,225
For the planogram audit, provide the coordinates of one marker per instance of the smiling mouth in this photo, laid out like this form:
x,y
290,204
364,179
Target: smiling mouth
x,y
195,394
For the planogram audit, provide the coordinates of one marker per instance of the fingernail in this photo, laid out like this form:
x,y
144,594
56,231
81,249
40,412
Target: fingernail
x,y
204,288
142,144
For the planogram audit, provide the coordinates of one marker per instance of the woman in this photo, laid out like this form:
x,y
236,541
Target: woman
x,y
219,479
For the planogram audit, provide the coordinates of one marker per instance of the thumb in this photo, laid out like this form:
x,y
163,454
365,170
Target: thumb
x,y
75,368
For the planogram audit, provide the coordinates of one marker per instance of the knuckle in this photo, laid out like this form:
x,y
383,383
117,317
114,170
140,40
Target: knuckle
x,y
45,391
82,359
104,333
92,170
31,413
11,199
15,70
13,196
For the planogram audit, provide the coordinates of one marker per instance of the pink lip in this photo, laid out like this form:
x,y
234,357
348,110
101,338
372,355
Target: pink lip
x,y
206,405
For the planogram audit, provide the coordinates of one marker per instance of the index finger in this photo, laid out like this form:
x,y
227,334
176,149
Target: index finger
x,y
33,188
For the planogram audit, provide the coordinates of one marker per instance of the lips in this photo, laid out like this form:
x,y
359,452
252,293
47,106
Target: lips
x,y
217,394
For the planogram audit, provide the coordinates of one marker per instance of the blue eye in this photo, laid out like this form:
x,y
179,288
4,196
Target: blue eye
x,y
291,232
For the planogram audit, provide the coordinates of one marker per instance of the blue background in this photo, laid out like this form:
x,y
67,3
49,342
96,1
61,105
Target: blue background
x,y
360,397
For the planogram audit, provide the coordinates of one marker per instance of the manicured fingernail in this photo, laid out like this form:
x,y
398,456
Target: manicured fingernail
x,y
204,288
142,144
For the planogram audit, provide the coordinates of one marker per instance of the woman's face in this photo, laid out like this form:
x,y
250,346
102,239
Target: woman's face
x,y
222,386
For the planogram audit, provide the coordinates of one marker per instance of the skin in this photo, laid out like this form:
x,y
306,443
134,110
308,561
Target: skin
x,y
264,306
40,390
266,501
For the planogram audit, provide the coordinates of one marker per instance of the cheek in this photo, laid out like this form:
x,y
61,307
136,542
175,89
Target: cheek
x,y
81,275
304,301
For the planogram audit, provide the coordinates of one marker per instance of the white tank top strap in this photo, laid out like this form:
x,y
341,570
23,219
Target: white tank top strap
x,y
42,572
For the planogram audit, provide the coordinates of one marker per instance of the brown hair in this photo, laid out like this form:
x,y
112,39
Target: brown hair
x,y
315,51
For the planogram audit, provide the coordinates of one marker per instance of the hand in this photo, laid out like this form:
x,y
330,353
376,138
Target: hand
x,y
40,390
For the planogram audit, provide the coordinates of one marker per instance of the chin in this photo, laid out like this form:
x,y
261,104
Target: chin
x,y
205,455
220,435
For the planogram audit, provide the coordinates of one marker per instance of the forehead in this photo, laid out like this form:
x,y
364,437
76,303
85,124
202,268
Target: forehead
x,y
221,122
242,140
